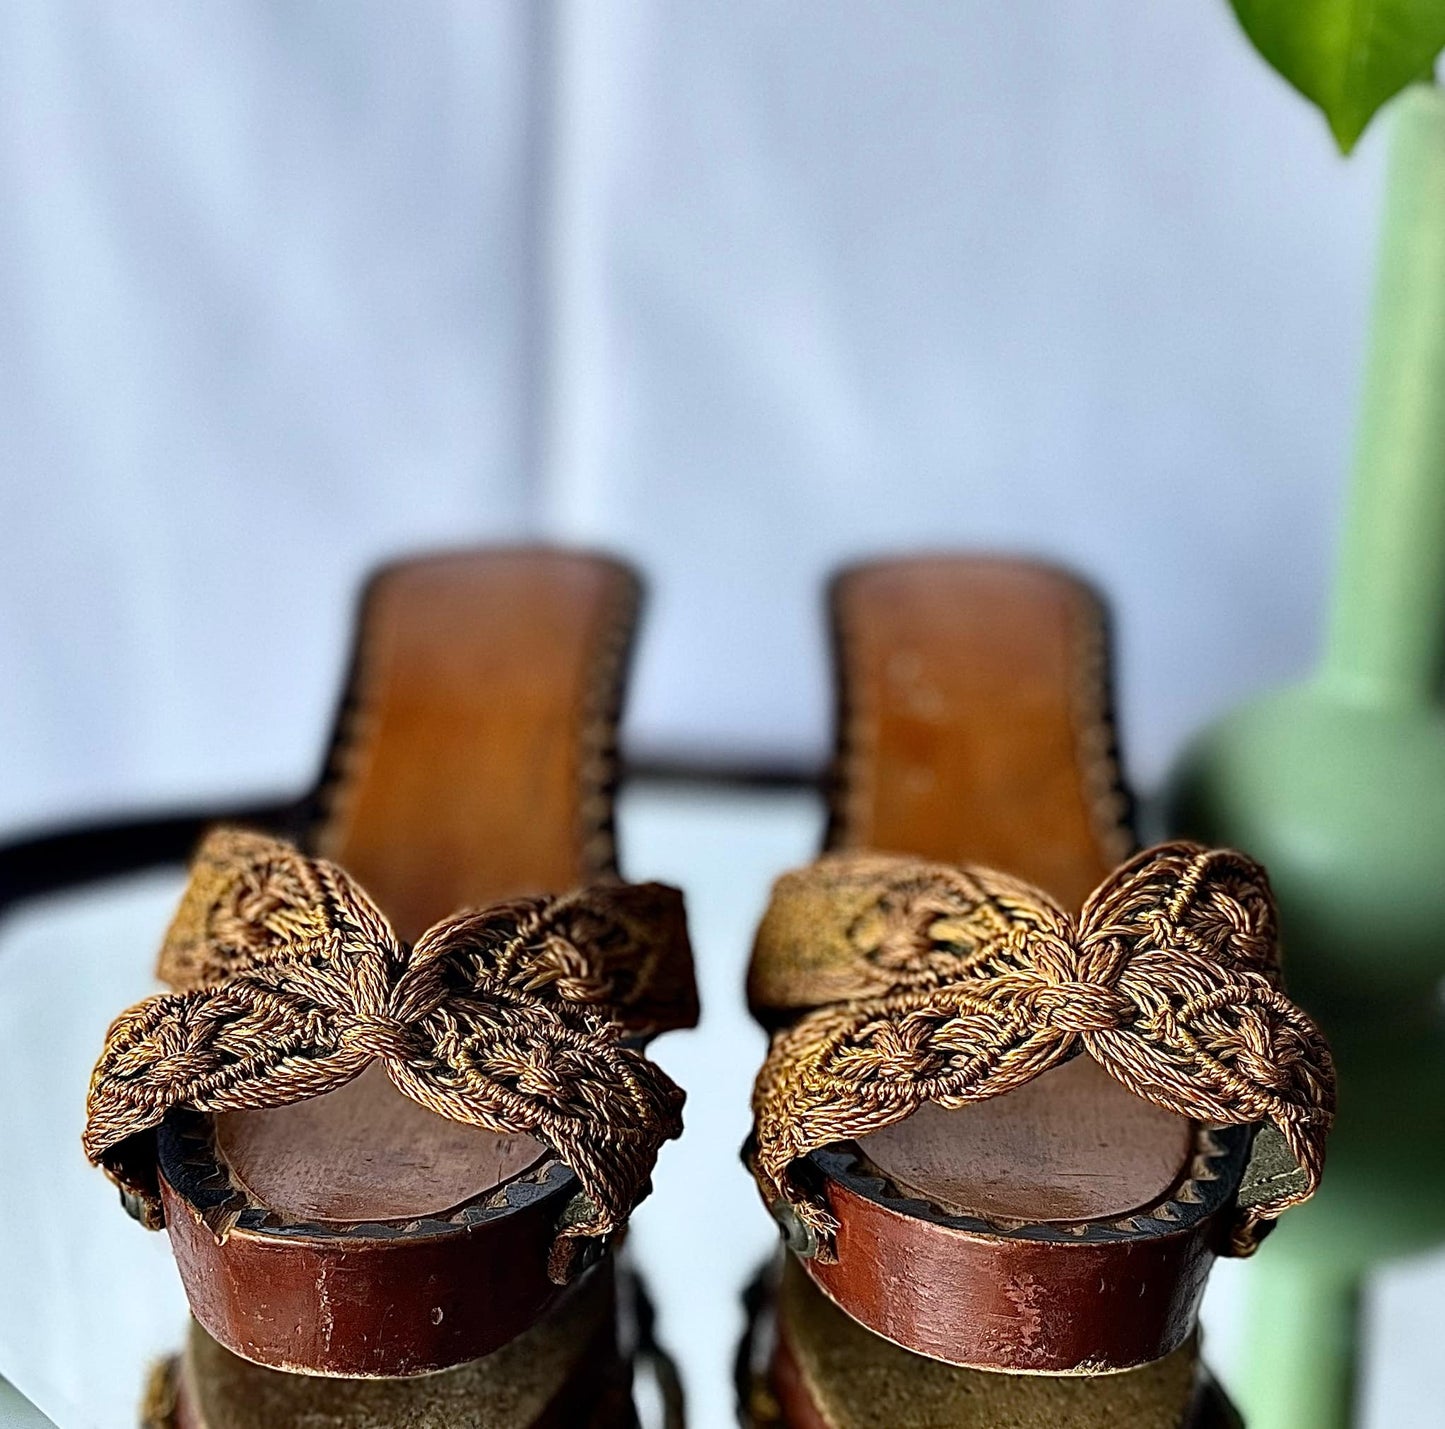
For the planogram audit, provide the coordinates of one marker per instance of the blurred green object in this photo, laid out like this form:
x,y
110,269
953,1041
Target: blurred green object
x,y
1338,787
1348,56
1340,783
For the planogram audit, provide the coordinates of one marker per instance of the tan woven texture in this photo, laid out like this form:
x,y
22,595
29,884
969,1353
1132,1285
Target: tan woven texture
x,y
914,982
289,981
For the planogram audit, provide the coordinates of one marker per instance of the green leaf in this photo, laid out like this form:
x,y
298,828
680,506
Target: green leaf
x,y
1348,56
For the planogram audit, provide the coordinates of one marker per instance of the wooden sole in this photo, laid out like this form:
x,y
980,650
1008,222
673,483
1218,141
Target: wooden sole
x,y
475,755
474,760
821,1370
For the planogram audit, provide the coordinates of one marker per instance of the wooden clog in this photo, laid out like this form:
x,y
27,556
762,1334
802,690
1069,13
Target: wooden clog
x,y
1007,1119
383,1144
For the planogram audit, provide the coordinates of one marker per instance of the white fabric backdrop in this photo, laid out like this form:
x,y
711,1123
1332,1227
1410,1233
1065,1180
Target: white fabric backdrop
x,y
266,288
738,289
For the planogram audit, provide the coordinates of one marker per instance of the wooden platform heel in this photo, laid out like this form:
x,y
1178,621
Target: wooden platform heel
x,y
807,1365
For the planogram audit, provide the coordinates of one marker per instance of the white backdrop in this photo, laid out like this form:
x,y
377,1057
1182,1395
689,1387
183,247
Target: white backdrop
x,y
736,288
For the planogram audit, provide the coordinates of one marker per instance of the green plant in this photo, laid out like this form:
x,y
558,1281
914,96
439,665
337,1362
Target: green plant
x,y
1348,56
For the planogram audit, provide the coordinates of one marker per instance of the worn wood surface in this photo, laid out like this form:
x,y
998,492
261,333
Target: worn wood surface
x,y
567,1370
366,1153
473,756
974,720
1072,1145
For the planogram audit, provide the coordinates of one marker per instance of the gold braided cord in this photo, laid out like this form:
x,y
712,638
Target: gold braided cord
x,y
514,1018
956,985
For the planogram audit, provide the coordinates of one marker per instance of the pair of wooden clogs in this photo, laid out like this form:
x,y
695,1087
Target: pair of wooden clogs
x,y
1024,1083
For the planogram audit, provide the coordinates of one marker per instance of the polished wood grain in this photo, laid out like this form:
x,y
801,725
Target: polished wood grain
x,y
974,720
471,762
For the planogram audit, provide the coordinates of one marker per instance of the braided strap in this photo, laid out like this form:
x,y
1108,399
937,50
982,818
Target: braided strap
x,y
956,985
513,1018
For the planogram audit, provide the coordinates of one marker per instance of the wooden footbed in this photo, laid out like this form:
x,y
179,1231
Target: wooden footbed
x,y
457,781
976,730
975,727
974,722
366,1153
1072,1145
473,761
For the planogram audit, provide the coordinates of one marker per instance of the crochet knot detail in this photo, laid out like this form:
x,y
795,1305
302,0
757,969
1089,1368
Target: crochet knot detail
x,y
1077,1007
912,982
516,1018
383,1038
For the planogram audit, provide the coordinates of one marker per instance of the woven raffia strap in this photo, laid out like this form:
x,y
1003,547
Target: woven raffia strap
x,y
290,981
947,985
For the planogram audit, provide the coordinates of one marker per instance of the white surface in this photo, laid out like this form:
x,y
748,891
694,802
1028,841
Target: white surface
x,y
91,1300
16,1412
97,1297
738,288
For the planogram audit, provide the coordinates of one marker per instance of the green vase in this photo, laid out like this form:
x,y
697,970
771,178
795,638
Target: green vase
x,y
1338,787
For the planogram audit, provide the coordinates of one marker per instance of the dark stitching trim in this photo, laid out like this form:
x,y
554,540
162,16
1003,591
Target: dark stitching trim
x,y
599,760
